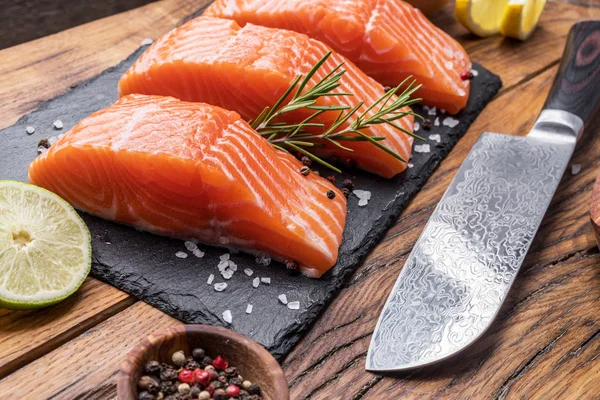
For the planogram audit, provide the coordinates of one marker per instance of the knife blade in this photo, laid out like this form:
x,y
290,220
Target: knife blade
x,y
462,266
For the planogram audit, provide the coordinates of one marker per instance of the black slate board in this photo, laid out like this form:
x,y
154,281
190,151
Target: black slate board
x,y
145,265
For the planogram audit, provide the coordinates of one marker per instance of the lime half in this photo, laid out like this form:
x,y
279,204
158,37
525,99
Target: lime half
x,y
45,247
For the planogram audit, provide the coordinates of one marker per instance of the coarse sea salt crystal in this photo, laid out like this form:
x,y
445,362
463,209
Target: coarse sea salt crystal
x,y
422,148
417,126
474,72
232,266
223,265
227,317
191,246
198,253
256,282
219,287
266,280
146,42
58,124
224,257
249,308
30,130
575,169
210,279
227,274
435,138
437,121
294,305
363,195
248,271
432,111
181,254
283,298
451,122
410,165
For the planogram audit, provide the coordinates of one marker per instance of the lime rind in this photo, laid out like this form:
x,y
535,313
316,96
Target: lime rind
x,y
57,258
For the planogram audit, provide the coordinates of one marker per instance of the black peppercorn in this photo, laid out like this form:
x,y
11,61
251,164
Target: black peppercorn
x,y
236,381
348,184
44,143
152,368
220,394
146,381
214,375
191,364
254,397
168,388
230,372
198,354
291,267
222,379
346,192
254,389
195,392
427,123
218,385
146,396
168,374
330,194
206,361
471,76
305,170
306,161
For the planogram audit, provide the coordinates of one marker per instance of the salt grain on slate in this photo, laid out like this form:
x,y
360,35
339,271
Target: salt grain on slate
x,y
232,266
146,42
227,317
227,274
417,126
58,124
364,197
224,257
248,272
30,130
410,165
435,138
181,254
437,121
283,298
265,280
474,72
223,265
422,148
198,253
52,139
575,169
294,305
451,122
432,111
256,282
211,278
249,308
219,287
191,246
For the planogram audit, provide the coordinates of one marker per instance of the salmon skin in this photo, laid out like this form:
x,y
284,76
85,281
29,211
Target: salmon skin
x,y
388,39
246,69
192,170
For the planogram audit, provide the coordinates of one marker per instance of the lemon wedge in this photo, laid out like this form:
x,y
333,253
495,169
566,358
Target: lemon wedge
x,y
482,17
521,17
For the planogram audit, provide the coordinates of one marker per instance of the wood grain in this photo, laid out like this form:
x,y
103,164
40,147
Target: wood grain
x,y
546,341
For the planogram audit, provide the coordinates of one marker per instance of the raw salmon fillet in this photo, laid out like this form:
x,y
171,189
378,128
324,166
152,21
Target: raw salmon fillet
x,y
192,170
388,39
247,69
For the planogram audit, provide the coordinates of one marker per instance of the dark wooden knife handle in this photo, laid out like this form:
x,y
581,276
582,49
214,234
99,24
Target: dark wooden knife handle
x,y
576,88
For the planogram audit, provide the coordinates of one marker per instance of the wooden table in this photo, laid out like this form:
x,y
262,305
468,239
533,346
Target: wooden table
x,y
544,344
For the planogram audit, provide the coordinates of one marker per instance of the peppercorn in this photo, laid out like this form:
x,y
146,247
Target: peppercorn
x,y
186,376
291,267
160,396
305,170
467,75
191,364
204,395
254,397
220,394
331,178
348,184
183,388
346,192
213,374
195,391
230,372
246,384
243,395
178,358
306,161
152,368
235,381
145,382
206,361
198,354
220,363
202,377
211,388
168,374
168,388
427,123
146,396
254,389
44,143
218,385
223,379
232,390
171,397
330,194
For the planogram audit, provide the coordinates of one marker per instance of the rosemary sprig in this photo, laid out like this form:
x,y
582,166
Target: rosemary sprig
x,y
294,136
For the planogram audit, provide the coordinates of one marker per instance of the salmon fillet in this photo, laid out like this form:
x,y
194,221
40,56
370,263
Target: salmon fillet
x,y
192,170
247,69
388,39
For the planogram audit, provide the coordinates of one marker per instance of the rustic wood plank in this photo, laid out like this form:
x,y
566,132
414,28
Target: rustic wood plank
x,y
86,366
27,335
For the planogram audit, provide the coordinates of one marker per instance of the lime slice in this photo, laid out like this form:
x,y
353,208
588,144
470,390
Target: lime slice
x,y
45,247
482,17
521,17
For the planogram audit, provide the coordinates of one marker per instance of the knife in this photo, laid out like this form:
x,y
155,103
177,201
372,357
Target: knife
x,y
462,266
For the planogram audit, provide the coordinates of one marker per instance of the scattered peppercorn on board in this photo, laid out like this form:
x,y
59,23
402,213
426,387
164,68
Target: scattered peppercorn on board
x,y
196,285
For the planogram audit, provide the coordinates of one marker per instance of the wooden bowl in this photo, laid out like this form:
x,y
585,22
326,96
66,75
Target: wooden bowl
x,y
252,360
595,210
